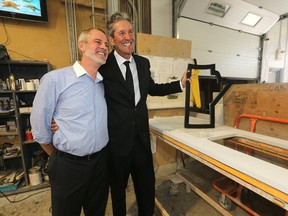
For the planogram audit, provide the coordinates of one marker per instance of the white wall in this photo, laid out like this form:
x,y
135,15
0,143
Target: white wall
x,y
276,65
161,17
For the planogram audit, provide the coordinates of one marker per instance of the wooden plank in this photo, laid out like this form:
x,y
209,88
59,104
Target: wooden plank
x,y
268,99
160,208
261,147
163,46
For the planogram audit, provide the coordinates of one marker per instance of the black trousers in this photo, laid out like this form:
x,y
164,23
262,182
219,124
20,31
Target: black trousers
x,y
139,164
78,183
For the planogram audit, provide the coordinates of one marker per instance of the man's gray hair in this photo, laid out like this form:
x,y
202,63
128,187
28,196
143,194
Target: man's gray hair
x,y
114,19
86,33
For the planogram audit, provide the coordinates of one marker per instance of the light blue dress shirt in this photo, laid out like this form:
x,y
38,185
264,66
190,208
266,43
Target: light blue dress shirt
x,y
77,104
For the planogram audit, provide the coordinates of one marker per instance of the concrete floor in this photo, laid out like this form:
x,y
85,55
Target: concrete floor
x,y
37,203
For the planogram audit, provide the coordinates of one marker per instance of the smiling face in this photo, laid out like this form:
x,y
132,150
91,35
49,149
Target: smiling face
x,y
123,39
95,47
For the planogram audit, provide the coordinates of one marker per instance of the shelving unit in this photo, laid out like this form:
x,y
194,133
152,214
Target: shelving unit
x,y
19,114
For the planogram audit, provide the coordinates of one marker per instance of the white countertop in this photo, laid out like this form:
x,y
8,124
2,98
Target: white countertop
x,y
202,141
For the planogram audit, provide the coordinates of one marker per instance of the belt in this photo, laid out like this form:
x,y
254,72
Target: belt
x,y
75,157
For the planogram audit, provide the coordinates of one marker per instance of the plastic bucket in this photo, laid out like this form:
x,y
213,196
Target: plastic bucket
x,y
35,176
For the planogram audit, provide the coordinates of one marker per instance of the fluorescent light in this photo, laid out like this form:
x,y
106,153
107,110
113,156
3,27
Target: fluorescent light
x,y
251,19
217,8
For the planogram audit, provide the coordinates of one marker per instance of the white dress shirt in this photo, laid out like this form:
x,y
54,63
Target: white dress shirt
x,y
120,61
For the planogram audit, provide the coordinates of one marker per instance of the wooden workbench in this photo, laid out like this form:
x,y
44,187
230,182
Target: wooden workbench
x,y
264,178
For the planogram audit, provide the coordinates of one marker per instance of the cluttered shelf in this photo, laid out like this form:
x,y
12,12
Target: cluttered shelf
x,y
19,81
13,181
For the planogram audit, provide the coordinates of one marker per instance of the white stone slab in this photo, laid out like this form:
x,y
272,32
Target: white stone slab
x,y
202,141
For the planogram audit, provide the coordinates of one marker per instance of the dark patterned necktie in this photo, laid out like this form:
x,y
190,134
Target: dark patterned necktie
x,y
129,79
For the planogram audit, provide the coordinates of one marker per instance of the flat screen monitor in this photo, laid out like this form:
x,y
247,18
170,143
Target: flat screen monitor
x,y
30,10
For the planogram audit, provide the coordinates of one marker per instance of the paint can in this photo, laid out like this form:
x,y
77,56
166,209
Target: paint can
x,y
45,175
35,176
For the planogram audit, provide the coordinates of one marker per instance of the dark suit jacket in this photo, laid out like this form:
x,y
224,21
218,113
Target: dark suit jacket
x,y
123,117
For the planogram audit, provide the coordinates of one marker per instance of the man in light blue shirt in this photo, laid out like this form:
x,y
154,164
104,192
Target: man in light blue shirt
x,y
74,98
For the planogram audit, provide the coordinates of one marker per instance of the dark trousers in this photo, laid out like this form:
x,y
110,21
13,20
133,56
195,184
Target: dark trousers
x,y
78,183
139,164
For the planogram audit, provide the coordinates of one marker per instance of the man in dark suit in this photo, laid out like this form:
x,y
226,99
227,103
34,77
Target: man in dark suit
x,y
129,139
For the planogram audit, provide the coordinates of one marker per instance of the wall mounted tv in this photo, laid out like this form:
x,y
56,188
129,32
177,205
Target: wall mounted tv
x,y
30,10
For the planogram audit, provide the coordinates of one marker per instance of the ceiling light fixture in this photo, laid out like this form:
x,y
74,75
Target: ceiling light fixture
x,y
217,8
251,19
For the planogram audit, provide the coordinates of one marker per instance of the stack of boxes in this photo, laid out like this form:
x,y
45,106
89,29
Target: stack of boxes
x,y
9,127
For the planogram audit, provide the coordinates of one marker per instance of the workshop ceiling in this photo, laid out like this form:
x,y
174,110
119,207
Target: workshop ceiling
x,y
268,11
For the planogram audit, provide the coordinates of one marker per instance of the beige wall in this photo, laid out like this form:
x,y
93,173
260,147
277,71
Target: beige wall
x,y
46,41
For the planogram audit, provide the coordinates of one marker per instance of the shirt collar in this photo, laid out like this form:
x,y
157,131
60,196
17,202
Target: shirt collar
x,y
120,60
80,71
